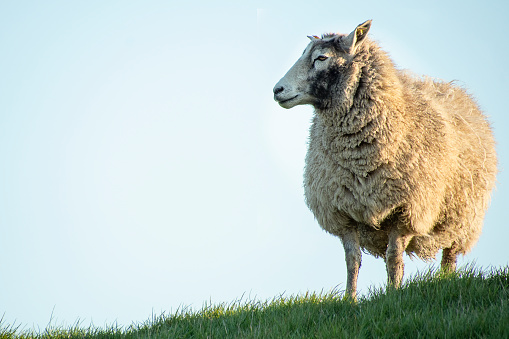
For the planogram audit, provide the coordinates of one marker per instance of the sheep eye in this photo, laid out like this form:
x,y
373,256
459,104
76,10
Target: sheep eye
x,y
320,58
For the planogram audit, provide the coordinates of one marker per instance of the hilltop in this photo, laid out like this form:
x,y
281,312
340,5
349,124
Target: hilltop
x,y
473,302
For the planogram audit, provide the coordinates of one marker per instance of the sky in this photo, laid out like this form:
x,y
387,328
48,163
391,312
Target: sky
x,y
145,167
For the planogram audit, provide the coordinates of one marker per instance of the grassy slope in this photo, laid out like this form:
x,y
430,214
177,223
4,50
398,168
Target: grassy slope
x,y
469,304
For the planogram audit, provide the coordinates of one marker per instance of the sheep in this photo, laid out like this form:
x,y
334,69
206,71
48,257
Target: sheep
x,y
396,163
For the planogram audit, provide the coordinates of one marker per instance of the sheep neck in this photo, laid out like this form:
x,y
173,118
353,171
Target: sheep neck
x,y
363,127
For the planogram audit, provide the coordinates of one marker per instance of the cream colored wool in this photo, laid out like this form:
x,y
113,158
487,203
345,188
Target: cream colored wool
x,y
395,163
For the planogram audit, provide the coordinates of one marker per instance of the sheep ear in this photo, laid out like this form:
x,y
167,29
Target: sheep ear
x,y
358,35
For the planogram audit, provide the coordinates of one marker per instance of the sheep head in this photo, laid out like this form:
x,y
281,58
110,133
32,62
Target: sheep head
x,y
323,64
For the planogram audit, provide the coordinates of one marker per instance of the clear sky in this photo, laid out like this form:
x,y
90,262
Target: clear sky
x,y
144,165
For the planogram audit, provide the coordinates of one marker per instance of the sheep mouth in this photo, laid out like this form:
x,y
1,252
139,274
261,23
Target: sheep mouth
x,y
282,102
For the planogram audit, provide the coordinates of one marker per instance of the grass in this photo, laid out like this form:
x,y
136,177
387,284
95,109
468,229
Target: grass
x,y
471,303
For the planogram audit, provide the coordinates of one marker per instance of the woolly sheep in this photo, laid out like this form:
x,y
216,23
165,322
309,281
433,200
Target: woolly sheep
x,y
395,163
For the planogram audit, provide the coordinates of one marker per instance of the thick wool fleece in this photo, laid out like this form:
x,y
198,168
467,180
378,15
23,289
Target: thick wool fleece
x,y
388,150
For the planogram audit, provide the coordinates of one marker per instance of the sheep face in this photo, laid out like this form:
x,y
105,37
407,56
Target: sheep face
x,y
309,80
323,69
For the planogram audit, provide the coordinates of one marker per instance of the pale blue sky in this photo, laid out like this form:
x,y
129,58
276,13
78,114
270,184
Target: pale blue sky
x,y
145,165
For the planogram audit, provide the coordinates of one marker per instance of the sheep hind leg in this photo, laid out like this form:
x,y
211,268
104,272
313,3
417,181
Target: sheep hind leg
x,y
353,258
394,257
449,257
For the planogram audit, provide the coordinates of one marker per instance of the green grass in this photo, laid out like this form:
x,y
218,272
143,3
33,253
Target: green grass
x,y
472,303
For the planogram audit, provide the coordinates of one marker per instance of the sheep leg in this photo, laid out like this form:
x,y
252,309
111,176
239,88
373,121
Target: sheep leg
x,y
353,258
449,256
394,257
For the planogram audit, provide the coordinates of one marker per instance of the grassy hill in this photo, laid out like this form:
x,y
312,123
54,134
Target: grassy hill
x,y
472,303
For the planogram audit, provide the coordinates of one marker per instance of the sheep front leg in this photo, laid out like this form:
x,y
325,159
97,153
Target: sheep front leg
x,y
353,261
394,257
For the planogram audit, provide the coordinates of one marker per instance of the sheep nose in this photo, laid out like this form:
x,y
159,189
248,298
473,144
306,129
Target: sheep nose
x,y
278,89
